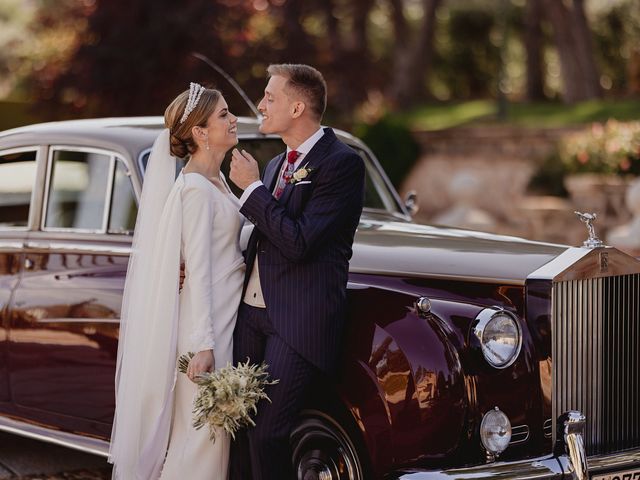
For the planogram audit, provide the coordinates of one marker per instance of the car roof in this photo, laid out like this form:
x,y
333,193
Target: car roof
x,y
126,135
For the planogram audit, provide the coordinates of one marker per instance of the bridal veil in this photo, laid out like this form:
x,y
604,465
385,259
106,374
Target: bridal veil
x,y
146,363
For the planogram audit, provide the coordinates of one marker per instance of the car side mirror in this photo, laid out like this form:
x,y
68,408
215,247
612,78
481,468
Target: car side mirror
x,y
411,202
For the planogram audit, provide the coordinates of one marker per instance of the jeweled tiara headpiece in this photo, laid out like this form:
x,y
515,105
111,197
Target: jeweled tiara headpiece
x,y
195,92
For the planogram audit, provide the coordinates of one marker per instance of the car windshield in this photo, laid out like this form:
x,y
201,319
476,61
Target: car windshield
x,y
377,194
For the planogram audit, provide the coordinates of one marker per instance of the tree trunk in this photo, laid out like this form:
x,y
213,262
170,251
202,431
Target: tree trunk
x,y
401,36
558,15
584,50
413,62
335,42
361,10
299,47
534,41
348,57
399,25
576,58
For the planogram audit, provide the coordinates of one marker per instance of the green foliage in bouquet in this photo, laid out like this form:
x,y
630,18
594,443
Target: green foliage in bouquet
x,y
610,148
227,397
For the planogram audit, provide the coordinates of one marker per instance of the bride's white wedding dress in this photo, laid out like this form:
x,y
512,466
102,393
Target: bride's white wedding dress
x,y
179,219
208,305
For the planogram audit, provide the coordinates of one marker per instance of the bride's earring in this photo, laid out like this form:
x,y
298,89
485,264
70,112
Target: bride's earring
x,y
207,144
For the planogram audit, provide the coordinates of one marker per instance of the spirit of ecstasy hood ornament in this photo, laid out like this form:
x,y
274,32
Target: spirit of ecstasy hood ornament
x,y
588,218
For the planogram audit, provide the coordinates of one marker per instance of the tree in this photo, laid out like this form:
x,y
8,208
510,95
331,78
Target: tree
x,y
14,21
468,57
135,64
534,46
573,41
413,55
345,57
300,48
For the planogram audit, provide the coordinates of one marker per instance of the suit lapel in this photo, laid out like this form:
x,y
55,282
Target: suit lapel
x,y
312,160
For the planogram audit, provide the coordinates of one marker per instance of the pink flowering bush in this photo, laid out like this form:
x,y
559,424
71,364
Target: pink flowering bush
x,y
610,148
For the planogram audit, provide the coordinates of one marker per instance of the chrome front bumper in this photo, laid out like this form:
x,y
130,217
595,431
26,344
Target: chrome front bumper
x,y
569,462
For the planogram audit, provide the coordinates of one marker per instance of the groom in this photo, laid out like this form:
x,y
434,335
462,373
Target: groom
x,y
305,211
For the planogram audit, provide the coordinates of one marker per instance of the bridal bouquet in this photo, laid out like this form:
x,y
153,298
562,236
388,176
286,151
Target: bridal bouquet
x,y
227,397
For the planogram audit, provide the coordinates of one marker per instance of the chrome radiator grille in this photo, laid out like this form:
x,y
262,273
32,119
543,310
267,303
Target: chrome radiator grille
x,y
596,358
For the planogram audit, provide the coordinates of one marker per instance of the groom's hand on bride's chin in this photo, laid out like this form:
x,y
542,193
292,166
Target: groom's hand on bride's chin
x,y
244,169
201,362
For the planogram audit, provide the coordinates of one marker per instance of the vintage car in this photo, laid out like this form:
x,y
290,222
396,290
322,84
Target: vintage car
x,y
467,355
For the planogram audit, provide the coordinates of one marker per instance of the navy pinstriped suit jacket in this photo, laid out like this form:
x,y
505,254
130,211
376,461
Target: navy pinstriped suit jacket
x,y
305,240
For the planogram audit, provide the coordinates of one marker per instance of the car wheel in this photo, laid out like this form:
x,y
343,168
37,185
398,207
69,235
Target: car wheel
x,y
322,449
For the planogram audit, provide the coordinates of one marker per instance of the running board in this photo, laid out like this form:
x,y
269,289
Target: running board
x,y
64,439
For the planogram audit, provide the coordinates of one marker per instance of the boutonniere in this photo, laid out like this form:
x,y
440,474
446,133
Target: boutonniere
x,y
300,174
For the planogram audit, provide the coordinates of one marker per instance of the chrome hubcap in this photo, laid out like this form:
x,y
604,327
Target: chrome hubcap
x,y
321,452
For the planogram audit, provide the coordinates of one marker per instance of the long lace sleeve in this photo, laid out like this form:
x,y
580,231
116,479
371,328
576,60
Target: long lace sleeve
x,y
198,211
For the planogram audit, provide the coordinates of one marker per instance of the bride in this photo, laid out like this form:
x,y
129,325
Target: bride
x,y
192,219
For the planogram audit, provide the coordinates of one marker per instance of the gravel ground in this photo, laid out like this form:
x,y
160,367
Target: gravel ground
x,y
26,459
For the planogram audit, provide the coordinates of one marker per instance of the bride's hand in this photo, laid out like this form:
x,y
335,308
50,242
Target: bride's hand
x,y
200,363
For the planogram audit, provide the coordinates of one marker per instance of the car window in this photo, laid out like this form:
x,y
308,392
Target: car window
x,y
262,149
17,177
77,190
143,159
377,194
123,211
372,198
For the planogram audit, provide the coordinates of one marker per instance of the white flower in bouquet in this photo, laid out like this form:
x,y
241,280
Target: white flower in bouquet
x,y
227,397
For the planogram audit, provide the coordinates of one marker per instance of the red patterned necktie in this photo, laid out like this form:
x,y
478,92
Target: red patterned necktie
x,y
287,173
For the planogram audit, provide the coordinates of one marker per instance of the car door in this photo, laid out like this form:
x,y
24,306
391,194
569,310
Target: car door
x,y
64,331
17,180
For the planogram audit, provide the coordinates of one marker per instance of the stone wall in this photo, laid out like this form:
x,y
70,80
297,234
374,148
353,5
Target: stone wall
x,y
477,177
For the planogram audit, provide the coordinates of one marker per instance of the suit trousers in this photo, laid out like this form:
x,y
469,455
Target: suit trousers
x,y
263,452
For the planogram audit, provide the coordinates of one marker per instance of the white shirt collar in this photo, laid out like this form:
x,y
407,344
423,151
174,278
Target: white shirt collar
x,y
306,146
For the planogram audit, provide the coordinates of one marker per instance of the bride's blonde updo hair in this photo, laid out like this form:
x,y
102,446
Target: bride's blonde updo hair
x,y
182,142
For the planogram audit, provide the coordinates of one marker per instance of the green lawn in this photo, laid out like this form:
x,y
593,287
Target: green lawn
x,y
484,112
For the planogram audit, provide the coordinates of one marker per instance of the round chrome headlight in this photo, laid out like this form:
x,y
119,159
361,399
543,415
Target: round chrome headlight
x,y
499,334
495,431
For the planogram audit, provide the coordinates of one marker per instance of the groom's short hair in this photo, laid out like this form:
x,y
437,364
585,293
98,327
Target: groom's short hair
x,y
305,81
